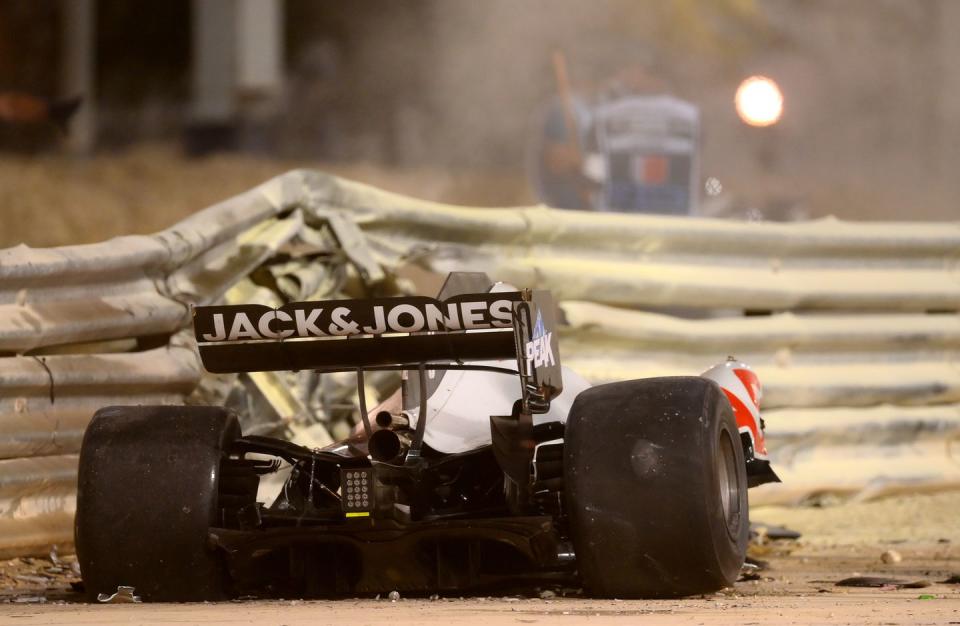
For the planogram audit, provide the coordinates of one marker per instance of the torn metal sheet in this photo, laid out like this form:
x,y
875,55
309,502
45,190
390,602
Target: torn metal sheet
x,y
353,244
123,595
206,278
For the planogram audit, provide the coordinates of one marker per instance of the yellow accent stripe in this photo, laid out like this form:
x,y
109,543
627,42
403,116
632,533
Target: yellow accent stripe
x,y
359,514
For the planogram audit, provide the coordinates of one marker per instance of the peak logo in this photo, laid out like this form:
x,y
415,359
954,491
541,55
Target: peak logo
x,y
539,350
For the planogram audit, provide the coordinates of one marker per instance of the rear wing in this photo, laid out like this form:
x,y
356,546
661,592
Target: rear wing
x,y
386,333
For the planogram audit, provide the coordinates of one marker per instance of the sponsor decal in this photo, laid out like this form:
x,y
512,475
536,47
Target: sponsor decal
x,y
539,350
339,318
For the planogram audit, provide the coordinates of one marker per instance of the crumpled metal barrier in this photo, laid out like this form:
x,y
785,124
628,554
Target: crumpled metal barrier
x,y
803,359
645,261
853,327
830,453
37,503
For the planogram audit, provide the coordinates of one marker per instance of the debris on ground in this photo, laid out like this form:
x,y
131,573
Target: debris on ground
x,y
775,533
29,600
124,595
37,580
394,596
25,576
748,572
880,581
760,564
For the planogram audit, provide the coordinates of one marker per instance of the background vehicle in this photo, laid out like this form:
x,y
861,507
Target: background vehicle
x,y
636,488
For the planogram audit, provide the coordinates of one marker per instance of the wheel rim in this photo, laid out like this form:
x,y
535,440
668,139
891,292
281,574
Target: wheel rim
x,y
729,483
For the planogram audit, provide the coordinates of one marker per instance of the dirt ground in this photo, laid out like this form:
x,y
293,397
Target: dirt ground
x,y
919,534
55,200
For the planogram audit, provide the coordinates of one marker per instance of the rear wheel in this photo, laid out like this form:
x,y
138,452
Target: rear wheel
x,y
147,496
656,488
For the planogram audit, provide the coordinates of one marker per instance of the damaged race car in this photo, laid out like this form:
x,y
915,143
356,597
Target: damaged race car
x,y
494,466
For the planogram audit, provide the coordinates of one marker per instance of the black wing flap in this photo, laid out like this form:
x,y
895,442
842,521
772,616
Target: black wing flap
x,y
332,354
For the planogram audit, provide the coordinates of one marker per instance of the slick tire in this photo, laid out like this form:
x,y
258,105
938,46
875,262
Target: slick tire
x,y
656,488
147,496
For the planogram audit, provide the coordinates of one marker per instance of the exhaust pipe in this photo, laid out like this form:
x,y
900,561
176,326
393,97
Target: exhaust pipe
x,y
386,446
385,419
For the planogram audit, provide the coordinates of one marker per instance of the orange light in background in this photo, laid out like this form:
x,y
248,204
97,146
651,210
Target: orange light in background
x,y
759,101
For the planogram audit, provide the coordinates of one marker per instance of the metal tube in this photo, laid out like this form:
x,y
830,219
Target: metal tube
x,y
362,401
413,454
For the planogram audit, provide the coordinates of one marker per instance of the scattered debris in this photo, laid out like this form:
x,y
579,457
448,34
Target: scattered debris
x,y
891,556
394,596
37,580
880,581
926,596
29,600
546,594
774,533
749,571
124,595
760,564
34,575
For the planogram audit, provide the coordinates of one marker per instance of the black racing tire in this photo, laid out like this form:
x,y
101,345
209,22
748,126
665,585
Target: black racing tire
x,y
147,495
656,488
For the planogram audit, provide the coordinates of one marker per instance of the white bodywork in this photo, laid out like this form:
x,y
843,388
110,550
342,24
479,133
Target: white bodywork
x,y
458,412
742,387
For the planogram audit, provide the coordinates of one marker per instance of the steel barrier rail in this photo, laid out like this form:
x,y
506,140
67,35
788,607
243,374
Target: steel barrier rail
x,y
34,426
402,217
46,401
635,331
863,452
803,359
162,370
908,267
642,261
140,285
37,502
134,305
820,385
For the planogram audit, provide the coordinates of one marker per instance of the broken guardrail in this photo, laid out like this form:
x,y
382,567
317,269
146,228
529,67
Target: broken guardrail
x,y
852,327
